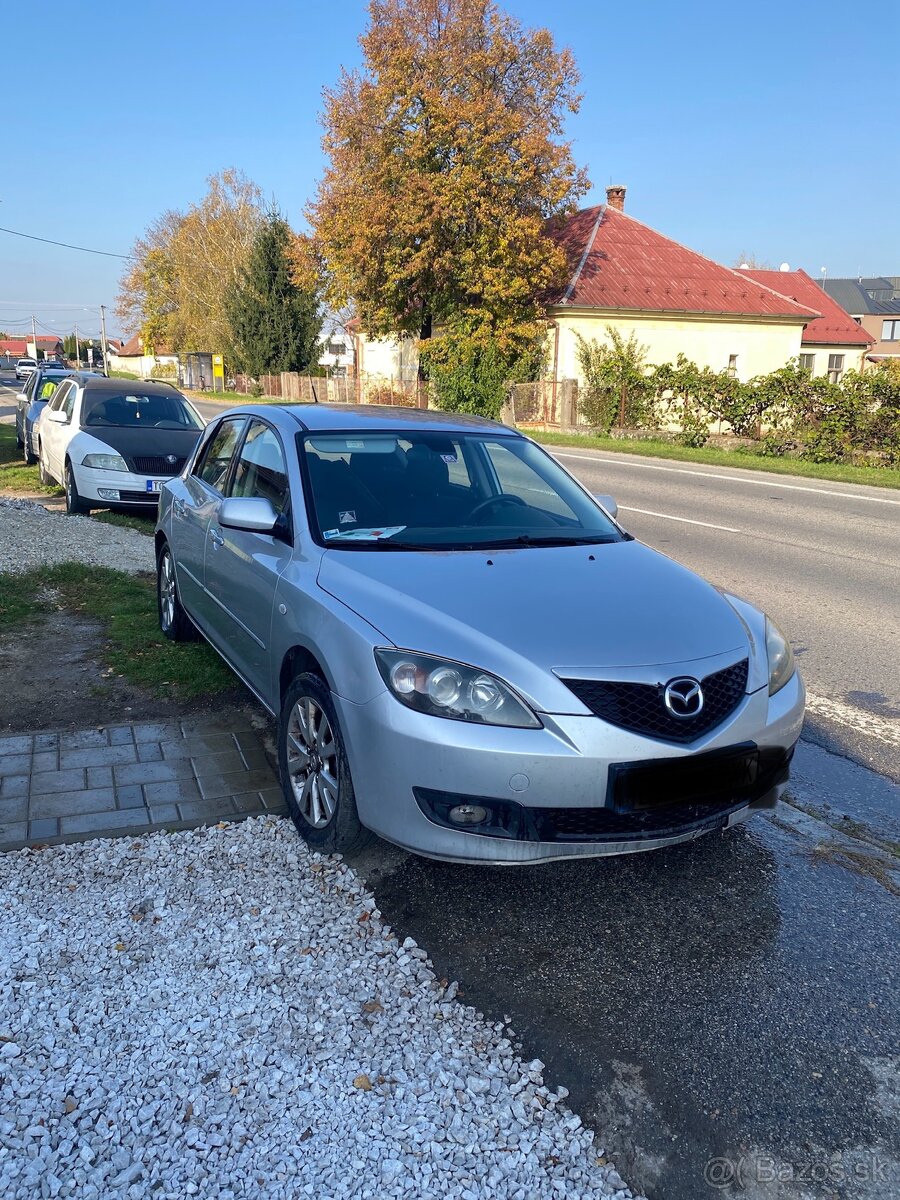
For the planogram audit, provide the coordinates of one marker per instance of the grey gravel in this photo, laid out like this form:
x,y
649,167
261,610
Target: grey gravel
x,y
221,1013
31,536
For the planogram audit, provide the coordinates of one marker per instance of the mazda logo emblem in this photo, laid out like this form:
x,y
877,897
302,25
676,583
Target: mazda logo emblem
x,y
683,698
171,458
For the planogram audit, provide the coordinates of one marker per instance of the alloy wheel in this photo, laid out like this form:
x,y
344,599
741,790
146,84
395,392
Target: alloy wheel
x,y
312,762
167,590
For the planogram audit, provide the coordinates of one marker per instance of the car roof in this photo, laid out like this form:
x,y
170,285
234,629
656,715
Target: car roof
x,y
99,384
339,418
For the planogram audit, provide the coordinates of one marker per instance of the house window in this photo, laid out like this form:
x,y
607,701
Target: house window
x,y
335,348
808,362
890,331
732,365
835,367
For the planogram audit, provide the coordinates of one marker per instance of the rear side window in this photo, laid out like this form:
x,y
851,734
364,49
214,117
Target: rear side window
x,y
260,469
216,457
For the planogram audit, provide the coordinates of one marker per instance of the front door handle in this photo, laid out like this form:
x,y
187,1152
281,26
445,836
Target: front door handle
x,y
178,508
216,537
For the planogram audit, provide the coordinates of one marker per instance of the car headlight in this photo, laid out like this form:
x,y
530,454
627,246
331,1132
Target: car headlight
x,y
105,462
781,658
443,688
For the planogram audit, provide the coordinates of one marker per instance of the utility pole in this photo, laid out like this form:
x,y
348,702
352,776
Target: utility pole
x,y
103,345
34,336
77,352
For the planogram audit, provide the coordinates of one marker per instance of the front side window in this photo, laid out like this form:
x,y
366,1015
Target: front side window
x,y
422,490
48,387
212,466
69,402
59,397
835,367
260,470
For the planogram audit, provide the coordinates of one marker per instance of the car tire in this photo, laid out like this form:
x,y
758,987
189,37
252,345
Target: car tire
x,y
20,445
75,506
174,622
314,771
28,454
44,475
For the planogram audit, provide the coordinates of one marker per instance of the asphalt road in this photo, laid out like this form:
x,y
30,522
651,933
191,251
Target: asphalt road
x,y
726,1012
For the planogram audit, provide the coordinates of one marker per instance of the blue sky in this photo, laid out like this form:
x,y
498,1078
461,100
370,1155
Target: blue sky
x,y
766,128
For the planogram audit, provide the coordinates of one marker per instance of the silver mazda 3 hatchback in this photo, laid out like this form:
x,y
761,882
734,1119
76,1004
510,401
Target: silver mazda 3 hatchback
x,y
466,653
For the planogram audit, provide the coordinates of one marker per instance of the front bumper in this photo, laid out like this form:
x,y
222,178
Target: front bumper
x,y
116,487
557,779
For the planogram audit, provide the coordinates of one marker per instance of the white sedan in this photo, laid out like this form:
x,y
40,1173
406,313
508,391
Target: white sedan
x,y
113,442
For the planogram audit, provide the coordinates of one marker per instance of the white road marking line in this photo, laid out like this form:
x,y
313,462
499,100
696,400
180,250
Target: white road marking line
x,y
870,724
788,487
684,520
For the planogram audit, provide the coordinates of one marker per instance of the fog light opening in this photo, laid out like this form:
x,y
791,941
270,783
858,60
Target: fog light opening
x,y
108,493
468,814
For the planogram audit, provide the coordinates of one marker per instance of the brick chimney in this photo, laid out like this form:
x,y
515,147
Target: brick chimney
x,y
615,197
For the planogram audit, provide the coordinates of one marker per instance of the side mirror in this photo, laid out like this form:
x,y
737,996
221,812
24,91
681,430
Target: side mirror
x,y
57,415
608,503
20,396
252,513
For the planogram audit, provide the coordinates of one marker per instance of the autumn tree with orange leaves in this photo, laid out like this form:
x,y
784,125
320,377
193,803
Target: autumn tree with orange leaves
x,y
446,159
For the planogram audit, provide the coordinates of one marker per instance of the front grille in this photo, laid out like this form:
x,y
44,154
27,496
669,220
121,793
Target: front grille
x,y
640,708
148,498
605,825
157,465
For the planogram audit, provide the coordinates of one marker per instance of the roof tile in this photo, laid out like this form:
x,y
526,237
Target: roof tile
x,y
834,327
619,263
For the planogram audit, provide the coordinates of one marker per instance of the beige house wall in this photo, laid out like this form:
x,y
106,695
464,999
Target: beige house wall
x,y
760,346
853,357
394,359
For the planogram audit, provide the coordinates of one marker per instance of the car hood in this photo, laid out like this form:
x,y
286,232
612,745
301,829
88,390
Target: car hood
x,y
147,442
525,614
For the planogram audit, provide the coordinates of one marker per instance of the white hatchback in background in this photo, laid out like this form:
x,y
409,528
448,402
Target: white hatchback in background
x,y
25,367
111,442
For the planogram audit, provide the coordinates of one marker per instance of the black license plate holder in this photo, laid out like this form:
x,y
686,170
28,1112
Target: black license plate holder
x,y
708,778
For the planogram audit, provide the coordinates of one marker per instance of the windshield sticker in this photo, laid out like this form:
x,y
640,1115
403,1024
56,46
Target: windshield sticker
x,y
449,458
348,517
363,535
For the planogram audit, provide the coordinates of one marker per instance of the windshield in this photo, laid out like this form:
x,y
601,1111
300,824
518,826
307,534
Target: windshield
x,y
422,490
135,409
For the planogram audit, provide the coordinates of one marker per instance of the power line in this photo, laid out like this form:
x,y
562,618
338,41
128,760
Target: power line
x,y
66,245
46,304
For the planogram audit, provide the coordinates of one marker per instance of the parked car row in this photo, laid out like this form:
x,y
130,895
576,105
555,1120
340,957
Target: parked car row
x,y
384,581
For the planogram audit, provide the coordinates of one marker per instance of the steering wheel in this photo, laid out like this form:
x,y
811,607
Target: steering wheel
x,y
491,501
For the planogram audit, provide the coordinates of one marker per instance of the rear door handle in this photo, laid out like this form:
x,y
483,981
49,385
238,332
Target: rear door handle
x,y
216,537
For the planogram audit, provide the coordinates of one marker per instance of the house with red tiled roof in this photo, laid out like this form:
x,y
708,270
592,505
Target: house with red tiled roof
x,y
138,359
24,347
628,277
832,343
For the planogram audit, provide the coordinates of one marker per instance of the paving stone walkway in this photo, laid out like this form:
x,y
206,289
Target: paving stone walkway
x,y
132,779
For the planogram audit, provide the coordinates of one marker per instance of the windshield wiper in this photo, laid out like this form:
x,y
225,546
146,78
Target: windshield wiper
x,y
526,539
